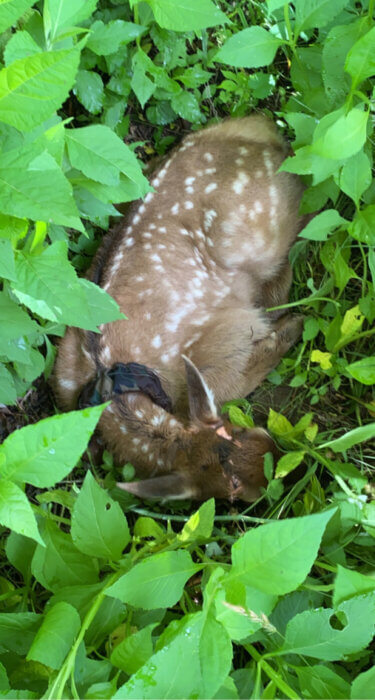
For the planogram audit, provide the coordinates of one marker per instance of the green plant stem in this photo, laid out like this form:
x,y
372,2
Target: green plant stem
x,y
371,11
185,518
289,26
287,691
57,689
354,338
320,458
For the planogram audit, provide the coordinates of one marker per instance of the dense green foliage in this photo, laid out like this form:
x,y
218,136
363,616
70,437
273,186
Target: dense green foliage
x,y
98,604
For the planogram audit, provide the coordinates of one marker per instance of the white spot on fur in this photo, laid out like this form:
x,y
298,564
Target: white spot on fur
x,y
139,414
189,190
139,278
155,182
175,208
189,205
258,206
136,219
209,216
144,448
149,196
211,187
123,429
129,242
189,180
156,258
156,341
243,151
160,462
147,246
258,174
240,183
162,229
136,441
147,234
142,209
152,227
239,161
105,354
208,157
184,232
210,171
68,383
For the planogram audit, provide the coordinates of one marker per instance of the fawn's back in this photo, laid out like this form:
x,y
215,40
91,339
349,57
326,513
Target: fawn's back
x,y
193,267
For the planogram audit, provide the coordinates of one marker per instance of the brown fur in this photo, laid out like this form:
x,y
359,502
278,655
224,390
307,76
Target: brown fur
x,y
193,267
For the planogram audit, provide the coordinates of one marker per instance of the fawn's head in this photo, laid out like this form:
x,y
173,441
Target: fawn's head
x,y
211,458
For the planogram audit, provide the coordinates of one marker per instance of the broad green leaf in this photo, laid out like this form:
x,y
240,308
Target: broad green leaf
x,y
186,15
322,358
107,38
355,176
141,85
55,636
363,686
310,633
336,46
8,393
199,526
24,100
44,453
194,662
13,320
34,186
99,526
287,463
276,558
7,269
351,324
186,105
16,512
101,155
321,682
363,370
344,138
20,551
350,583
360,61
134,650
316,13
362,228
156,582
242,609
89,89
278,424
17,631
353,437
19,46
250,48
238,417
319,228
60,563
48,284
11,11
60,14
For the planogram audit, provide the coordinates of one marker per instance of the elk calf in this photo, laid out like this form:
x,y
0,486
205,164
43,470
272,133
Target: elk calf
x,y
193,266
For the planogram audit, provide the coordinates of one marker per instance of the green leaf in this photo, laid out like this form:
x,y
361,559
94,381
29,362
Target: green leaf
x,y
350,583
310,633
321,682
316,13
16,512
13,320
344,137
48,284
242,609
134,650
60,14
99,526
156,582
287,463
363,687
353,437
60,563
55,636
355,176
89,89
11,11
238,417
33,186
44,453
278,424
24,100
102,156
362,228
186,15
276,558
17,631
194,662
20,551
199,526
360,61
319,228
186,105
363,370
250,48
107,38
19,46
7,268
8,393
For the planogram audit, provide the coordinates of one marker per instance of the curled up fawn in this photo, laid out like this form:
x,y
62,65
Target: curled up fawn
x,y
194,266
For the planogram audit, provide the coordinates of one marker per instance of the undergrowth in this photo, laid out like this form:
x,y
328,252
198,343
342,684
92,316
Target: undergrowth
x,y
102,596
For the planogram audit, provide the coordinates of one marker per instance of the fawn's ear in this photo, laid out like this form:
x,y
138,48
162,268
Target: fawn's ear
x,y
171,487
201,399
